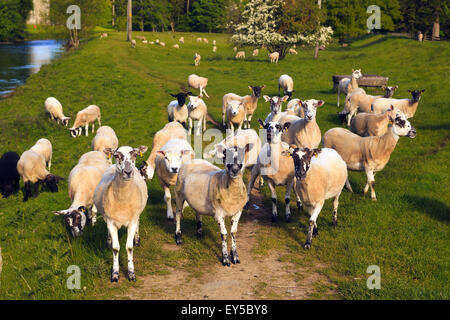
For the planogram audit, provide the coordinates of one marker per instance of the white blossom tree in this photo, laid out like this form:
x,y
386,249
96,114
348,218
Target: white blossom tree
x,y
276,24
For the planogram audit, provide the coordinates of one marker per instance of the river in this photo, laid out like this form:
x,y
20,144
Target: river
x,y
19,60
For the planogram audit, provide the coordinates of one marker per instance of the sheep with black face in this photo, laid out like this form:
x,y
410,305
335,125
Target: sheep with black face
x,y
177,109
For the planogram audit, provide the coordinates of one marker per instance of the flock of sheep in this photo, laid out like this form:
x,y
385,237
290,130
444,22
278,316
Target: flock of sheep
x,y
290,157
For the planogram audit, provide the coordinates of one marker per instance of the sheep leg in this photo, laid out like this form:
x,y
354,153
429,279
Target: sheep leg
x,y
99,123
240,126
371,182
204,123
299,200
49,164
348,185
137,238
93,125
205,93
339,93
249,120
168,200
27,191
86,129
93,215
312,224
179,211
130,246
287,199
190,126
230,128
199,232
199,127
113,232
254,175
234,224
223,233
274,201
335,208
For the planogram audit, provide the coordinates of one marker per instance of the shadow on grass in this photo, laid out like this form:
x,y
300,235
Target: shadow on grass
x,y
435,208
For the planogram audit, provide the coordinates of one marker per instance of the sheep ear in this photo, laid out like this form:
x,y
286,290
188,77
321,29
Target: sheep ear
x,y
316,152
173,95
286,153
284,98
409,91
109,152
266,98
320,103
82,209
61,212
161,153
286,126
423,90
392,107
141,150
383,87
248,147
250,87
189,93
395,87
263,86
261,123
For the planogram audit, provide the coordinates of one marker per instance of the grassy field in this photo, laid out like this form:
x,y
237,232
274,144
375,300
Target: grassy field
x,y
405,233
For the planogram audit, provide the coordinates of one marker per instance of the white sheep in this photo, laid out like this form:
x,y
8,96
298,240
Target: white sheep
x,y
214,49
197,111
83,179
162,44
177,109
144,41
197,59
235,49
214,42
55,111
369,154
197,82
294,107
347,85
103,35
44,148
320,175
407,106
369,124
121,196
275,107
304,132
181,40
199,39
274,56
274,167
250,103
133,43
293,51
176,46
172,130
240,54
84,118
31,167
205,40
255,52
235,114
358,100
168,162
105,138
211,191
287,84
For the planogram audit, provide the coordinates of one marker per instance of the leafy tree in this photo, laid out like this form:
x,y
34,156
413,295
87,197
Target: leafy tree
x,y
13,16
208,15
276,24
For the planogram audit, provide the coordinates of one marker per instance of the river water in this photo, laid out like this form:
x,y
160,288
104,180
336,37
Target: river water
x,y
19,60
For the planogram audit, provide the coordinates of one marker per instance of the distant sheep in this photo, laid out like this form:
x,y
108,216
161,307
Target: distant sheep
x,y
205,40
240,54
162,44
181,40
84,118
105,138
274,56
287,84
214,49
255,52
55,111
407,106
133,43
103,35
176,46
293,51
199,39
197,82
177,109
235,49
197,59
197,111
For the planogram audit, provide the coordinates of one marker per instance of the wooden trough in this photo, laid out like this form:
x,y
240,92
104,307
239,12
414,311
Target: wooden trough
x,y
367,80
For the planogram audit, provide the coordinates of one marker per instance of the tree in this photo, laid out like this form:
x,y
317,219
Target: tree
x,y
208,15
13,16
276,24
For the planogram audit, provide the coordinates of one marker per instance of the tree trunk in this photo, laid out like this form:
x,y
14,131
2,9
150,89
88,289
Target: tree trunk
x,y
113,12
129,21
172,26
316,50
187,7
435,35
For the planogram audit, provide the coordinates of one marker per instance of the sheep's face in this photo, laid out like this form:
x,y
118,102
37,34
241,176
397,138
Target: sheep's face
x,y
273,130
75,219
125,160
174,159
356,73
181,97
51,181
234,158
65,121
235,106
302,160
193,102
275,103
310,107
73,132
146,171
257,90
401,126
389,91
416,94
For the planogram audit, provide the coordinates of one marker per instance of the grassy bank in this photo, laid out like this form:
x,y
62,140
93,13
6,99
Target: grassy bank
x,y
405,233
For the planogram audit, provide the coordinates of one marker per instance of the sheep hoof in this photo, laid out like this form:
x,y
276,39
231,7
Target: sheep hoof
x,y
178,238
115,276
170,219
234,257
137,242
315,232
226,260
131,276
307,245
274,218
334,223
299,205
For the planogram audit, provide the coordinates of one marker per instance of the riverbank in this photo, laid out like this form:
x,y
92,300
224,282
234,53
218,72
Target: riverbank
x,y
405,232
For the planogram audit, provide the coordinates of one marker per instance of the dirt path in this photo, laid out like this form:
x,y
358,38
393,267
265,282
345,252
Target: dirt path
x,y
255,278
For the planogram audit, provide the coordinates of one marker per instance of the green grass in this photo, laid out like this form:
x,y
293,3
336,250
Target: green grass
x,y
405,233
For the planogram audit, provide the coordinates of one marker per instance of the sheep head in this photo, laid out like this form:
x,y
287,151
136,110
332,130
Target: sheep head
x,y
75,219
126,160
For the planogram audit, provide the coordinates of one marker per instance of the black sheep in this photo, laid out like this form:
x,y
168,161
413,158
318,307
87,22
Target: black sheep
x,y
9,177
